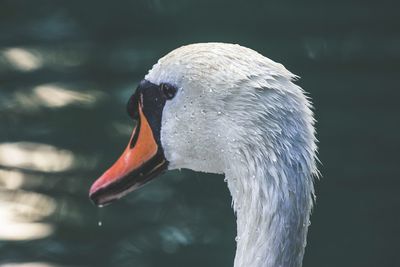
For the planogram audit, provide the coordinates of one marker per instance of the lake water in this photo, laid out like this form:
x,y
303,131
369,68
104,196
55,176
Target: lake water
x,y
67,69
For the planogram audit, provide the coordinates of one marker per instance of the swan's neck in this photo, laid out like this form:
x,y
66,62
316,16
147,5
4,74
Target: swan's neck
x,y
272,202
268,147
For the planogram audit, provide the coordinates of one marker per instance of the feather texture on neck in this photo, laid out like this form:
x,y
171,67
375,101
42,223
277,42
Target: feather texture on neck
x,y
270,166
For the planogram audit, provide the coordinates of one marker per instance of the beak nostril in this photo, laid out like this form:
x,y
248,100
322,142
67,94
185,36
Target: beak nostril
x,y
132,106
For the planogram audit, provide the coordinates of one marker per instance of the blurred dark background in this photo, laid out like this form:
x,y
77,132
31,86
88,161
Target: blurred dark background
x,y
67,69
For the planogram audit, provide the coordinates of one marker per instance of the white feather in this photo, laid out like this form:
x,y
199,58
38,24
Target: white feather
x,y
239,113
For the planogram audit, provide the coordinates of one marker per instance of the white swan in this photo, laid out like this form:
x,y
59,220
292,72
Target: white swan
x,y
224,108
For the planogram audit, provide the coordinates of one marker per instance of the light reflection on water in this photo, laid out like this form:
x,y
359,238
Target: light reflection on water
x,y
11,180
21,213
25,214
33,156
50,96
22,59
30,264
54,96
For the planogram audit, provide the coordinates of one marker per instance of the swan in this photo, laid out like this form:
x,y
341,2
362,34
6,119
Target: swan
x,y
226,109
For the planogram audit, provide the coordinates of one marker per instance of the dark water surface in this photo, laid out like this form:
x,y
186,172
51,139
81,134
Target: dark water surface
x,y
67,69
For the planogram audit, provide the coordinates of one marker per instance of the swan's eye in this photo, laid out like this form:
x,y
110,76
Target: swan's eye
x,y
132,107
168,90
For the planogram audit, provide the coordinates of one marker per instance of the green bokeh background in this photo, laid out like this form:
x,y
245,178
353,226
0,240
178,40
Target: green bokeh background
x,y
96,52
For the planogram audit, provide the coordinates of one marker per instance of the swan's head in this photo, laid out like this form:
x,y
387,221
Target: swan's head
x,y
196,106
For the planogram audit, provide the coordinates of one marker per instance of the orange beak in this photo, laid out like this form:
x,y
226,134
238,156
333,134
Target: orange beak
x,y
142,160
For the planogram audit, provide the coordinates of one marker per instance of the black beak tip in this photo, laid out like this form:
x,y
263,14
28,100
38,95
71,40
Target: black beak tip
x,y
94,199
99,201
